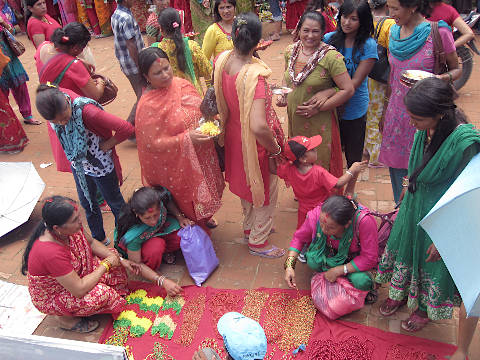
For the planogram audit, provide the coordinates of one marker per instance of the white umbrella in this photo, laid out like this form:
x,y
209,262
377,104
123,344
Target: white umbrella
x,y
20,189
454,226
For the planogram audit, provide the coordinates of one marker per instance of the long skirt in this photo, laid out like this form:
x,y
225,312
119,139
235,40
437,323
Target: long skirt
x,y
373,137
12,135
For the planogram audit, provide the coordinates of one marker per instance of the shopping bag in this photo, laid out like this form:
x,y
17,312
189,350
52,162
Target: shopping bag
x,y
335,299
198,252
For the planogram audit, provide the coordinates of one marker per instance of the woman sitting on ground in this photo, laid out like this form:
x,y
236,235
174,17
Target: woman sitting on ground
x,y
69,274
147,232
342,242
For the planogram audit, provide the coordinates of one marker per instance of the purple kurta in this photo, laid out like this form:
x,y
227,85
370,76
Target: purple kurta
x,y
397,132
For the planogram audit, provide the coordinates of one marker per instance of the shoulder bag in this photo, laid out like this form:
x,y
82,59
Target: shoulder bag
x,y
15,45
440,65
381,70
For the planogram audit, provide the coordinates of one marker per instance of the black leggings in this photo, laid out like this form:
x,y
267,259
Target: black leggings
x,y
352,135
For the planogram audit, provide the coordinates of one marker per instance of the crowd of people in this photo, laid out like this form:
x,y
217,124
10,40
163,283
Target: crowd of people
x,y
332,106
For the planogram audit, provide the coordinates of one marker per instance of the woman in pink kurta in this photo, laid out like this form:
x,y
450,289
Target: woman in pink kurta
x,y
342,241
408,52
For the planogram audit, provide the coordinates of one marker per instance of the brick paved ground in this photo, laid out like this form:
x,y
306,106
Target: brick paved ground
x,y
237,269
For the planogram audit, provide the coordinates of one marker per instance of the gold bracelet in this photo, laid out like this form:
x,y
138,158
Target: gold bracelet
x,y
290,262
405,181
106,263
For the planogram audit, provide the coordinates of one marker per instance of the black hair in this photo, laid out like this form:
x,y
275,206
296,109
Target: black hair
x,y
340,208
28,13
315,5
141,200
298,150
423,6
364,32
311,15
246,32
166,19
216,13
378,4
56,211
147,56
72,34
433,97
50,101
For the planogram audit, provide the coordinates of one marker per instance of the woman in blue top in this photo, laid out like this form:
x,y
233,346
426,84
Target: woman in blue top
x,y
353,39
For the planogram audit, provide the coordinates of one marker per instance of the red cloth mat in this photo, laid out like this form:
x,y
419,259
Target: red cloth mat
x,y
287,316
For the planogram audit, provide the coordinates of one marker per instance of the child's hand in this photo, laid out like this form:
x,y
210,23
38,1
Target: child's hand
x,y
359,166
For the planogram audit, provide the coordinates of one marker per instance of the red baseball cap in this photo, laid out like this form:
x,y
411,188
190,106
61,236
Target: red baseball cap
x,y
308,143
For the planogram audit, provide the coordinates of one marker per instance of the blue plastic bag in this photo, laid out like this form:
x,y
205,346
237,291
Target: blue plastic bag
x,y
198,252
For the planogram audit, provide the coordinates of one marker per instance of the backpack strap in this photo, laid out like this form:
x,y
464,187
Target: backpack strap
x,y
378,28
60,76
438,50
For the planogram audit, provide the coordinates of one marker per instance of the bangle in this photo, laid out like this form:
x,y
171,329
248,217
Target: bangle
x,y
160,280
405,181
290,262
349,173
278,151
345,269
107,264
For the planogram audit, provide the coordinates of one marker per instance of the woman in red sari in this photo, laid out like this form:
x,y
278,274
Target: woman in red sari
x,y
40,25
66,276
171,152
12,136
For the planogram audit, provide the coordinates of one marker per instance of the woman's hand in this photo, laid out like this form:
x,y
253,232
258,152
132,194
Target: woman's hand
x,y
184,221
113,259
320,98
171,287
433,254
333,273
306,110
282,101
131,266
290,277
198,138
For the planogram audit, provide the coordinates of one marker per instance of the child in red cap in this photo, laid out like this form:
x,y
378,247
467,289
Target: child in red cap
x,y
311,183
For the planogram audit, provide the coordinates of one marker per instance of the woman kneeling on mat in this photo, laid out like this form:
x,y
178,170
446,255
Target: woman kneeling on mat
x,y
341,242
147,232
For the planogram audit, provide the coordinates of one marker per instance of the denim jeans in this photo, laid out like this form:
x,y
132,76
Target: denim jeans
x,y
275,10
110,190
396,176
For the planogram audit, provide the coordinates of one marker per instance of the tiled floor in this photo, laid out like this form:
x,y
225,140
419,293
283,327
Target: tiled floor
x,y
238,269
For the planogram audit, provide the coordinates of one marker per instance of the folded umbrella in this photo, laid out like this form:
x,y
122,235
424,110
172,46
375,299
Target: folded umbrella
x,y
20,189
454,227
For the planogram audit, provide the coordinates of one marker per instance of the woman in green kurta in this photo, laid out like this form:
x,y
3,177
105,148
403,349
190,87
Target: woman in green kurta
x,y
313,70
443,146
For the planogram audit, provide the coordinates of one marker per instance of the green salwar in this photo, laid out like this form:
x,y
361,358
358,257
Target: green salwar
x,y
427,286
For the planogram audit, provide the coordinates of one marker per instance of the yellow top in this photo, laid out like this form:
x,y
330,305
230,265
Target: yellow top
x,y
216,41
202,66
384,34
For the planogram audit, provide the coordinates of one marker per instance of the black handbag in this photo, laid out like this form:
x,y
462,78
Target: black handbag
x,y
381,70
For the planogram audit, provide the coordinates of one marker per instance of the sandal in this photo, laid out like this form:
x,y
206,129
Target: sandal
x,y
415,322
32,121
212,223
371,297
272,253
83,326
390,307
169,258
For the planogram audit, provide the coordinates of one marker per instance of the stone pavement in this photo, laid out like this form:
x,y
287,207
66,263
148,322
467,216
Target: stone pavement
x,y
237,268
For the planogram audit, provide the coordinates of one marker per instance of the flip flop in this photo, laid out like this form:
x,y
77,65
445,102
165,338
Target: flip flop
x,y
415,323
390,307
83,326
32,121
267,253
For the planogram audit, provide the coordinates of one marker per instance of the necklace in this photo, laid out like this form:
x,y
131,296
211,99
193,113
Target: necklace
x,y
307,55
